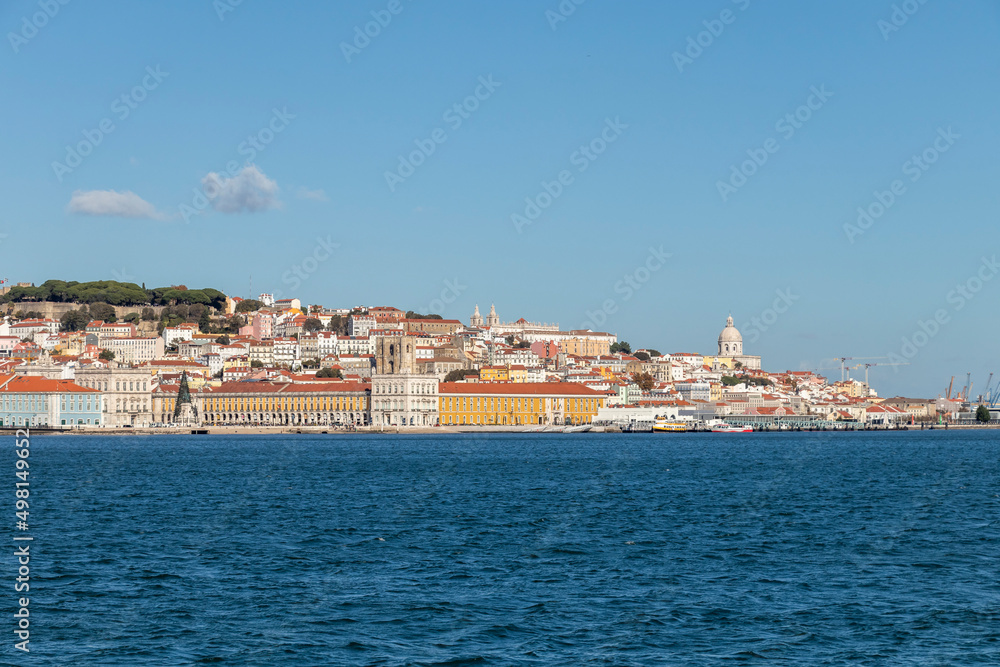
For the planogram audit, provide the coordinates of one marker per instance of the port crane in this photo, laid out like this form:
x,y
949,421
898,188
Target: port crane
x,y
992,395
964,394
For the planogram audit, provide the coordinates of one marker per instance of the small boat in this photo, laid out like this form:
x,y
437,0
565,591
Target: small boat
x,y
665,426
729,428
583,428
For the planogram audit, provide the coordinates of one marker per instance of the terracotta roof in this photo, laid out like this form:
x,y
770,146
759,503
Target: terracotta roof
x,y
532,388
35,384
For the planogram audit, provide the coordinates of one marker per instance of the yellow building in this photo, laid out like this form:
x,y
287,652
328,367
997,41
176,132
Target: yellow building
x,y
517,403
715,391
585,346
852,388
508,373
272,403
719,362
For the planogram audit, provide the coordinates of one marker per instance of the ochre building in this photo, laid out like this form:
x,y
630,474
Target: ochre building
x,y
517,403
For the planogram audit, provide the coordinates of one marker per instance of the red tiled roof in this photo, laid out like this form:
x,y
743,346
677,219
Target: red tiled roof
x,y
533,388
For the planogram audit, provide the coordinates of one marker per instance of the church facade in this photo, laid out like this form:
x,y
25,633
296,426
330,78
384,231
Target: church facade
x,y
731,350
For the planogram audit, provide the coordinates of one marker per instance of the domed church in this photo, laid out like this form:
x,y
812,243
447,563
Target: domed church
x,y
731,348
730,340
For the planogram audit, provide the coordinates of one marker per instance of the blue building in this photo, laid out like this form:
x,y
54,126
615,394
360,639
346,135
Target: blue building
x,y
37,401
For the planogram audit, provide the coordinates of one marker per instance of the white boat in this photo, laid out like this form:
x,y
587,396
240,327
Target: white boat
x,y
729,428
583,428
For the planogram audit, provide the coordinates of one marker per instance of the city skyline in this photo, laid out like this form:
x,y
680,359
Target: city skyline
x,y
735,166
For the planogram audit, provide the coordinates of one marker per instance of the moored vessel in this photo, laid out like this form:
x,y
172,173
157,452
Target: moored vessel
x,y
730,428
669,426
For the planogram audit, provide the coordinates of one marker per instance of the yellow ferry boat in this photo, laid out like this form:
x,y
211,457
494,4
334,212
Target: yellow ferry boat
x,y
667,426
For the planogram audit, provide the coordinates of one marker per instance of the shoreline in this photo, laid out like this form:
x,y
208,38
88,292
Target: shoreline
x,y
425,430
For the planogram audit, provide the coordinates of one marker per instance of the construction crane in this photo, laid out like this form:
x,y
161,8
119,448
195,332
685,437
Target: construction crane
x,y
843,367
867,366
950,384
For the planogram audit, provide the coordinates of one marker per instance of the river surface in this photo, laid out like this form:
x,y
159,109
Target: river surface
x,y
512,549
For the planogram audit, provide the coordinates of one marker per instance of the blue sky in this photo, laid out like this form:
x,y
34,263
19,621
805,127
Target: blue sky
x,y
888,94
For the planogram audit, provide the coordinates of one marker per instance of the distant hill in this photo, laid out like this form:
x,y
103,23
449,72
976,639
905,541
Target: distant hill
x,y
114,293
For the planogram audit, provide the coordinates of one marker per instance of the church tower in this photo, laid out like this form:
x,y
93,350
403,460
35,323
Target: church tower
x,y
492,319
395,355
476,320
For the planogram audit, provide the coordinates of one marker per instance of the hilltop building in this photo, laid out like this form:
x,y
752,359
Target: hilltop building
x,y
731,349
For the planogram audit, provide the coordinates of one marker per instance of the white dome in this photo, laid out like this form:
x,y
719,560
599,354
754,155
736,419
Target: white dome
x,y
730,334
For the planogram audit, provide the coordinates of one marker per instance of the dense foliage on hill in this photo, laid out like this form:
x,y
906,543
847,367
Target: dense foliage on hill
x,y
114,293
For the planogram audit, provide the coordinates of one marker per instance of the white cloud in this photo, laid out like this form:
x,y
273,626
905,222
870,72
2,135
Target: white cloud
x,y
112,203
315,195
248,191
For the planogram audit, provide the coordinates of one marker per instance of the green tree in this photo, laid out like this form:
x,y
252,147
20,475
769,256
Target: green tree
x,y
132,318
329,373
102,311
248,306
223,340
205,322
983,414
234,323
338,325
654,353
194,312
458,374
641,356
74,320
148,314
621,346
256,363
312,325
106,355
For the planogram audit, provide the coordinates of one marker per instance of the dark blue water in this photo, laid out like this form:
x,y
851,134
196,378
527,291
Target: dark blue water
x,y
813,549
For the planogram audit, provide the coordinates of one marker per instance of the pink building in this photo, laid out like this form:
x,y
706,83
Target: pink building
x,y
262,327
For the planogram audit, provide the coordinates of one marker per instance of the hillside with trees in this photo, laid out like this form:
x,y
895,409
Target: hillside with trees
x,y
115,293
